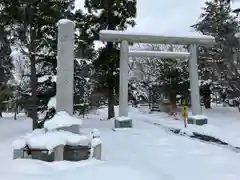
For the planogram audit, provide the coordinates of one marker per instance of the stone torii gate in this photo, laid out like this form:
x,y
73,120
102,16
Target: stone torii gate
x,y
126,37
126,122
64,97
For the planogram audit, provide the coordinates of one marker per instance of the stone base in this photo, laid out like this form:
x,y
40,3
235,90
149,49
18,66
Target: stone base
x,y
73,129
165,107
155,107
67,153
97,152
197,120
42,155
123,122
18,153
76,153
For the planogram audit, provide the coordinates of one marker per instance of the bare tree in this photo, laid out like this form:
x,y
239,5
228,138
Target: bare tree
x,y
24,36
5,66
21,78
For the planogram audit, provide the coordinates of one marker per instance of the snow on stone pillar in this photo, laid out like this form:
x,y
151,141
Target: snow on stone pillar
x,y
194,83
123,87
65,66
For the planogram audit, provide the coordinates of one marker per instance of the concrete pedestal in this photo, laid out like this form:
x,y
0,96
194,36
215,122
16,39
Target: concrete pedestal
x,y
76,153
197,120
58,153
73,129
18,153
97,152
123,122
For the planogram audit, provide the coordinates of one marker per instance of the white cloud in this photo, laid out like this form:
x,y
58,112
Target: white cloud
x,y
158,16
79,4
166,16
171,16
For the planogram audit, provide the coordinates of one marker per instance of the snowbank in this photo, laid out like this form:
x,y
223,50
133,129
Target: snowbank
x,y
219,127
62,170
227,132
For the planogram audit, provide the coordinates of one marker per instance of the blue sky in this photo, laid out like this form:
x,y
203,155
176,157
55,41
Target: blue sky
x,y
166,16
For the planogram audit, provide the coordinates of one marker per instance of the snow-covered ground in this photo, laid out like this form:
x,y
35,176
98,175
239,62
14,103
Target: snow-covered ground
x,y
144,152
9,130
223,123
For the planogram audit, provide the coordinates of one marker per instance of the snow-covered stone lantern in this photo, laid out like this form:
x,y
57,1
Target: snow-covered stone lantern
x,y
56,143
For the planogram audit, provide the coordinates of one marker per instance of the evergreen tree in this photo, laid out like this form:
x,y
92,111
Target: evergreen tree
x,y
34,26
110,15
82,84
173,79
6,67
217,20
85,54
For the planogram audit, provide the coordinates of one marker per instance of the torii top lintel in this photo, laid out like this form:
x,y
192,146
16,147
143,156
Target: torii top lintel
x,y
118,36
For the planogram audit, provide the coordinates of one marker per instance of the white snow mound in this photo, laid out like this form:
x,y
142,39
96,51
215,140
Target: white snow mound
x,y
62,119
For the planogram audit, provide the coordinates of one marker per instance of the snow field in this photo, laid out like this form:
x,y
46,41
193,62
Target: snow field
x,y
145,152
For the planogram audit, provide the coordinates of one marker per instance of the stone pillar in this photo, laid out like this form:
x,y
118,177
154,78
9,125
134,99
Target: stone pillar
x,y
196,117
59,153
18,153
65,66
194,82
97,152
123,85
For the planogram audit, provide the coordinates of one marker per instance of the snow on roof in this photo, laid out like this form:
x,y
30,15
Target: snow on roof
x,y
164,54
123,118
40,139
130,32
198,116
95,142
140,37
95,133
64,21
62,119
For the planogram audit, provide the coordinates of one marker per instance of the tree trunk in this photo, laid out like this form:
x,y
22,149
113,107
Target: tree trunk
x,y
33,78
207,97
207,101
150,98
111,112
15,111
